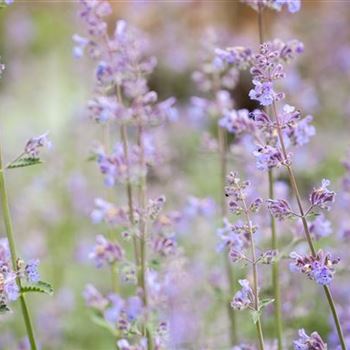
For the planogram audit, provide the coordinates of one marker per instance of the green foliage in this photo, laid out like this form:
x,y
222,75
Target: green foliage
x,y
39,287
24,162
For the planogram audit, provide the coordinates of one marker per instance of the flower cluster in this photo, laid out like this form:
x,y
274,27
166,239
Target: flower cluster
x,y
267,67
106,252
320,268
292,5
9,290
33,145
306,342
244,298
321,197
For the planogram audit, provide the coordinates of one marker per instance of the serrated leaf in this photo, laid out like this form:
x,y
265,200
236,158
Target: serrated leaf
x,y
4,308
265,302
255,316
24,162
39,287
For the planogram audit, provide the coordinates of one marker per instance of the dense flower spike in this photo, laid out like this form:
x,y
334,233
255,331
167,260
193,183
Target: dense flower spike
x,y
312,342
320,268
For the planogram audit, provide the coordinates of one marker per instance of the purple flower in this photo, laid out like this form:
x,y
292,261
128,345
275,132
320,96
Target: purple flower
x,y
312,342
9,286
199,207
94,298
262,92
319,268
237,122
31,271
268,157
229,237
35,143
244,297
80,45
106,252
279,208
322,197
320,227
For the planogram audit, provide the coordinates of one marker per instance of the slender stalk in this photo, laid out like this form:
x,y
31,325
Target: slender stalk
x,y
143,227
222,136
306,227
12,245
129,189
255,273
274,240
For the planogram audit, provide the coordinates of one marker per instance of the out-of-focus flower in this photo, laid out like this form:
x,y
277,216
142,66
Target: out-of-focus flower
x,y
32,147
106,252
312,342
244,297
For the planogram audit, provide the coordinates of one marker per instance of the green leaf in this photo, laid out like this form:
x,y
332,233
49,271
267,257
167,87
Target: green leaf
x,y
39,287
24,162
265,302
255,316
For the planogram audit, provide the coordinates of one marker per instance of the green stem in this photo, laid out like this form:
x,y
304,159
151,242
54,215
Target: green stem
x,y
143,229
12,246
275,272
306,227
274,240
255,273
129,189
222,135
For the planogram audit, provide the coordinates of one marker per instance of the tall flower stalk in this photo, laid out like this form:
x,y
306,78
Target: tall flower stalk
x,y
274,239
123,99
12,245
247,298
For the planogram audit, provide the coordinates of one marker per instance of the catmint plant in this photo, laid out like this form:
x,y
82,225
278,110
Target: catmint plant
x,y
267,68
19,277
240,204
123,100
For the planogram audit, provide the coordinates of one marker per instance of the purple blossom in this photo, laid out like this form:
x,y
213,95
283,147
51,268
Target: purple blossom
x,y
229,237
319,268
279,208
32,147
312,342
94,298
320,227
106,252
31,271
263,92
322,197
268,157
244,297
237,122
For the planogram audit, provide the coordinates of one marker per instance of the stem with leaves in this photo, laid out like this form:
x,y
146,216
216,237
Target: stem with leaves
x,y
12,245
222,136
305,224
274,240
